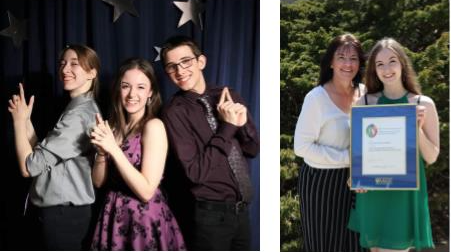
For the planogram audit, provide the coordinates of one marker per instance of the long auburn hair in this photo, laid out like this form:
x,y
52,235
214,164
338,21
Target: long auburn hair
x,y
408,75
118,113
344,41
88,60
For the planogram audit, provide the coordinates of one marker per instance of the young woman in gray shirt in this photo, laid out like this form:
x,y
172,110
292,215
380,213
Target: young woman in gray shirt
x,y
61,192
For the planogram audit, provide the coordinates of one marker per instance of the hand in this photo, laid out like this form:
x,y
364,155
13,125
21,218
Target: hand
x,y
231,112
358,190
421,115
361,190
20,110
102,136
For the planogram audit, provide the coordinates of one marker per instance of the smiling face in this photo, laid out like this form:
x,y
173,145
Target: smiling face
x,y
388,67
188,74
135,90
76,79
345,63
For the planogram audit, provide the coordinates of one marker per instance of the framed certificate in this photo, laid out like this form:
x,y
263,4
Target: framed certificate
x,y
384,148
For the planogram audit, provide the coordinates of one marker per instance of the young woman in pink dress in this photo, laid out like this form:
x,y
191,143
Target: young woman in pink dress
x,y
130,163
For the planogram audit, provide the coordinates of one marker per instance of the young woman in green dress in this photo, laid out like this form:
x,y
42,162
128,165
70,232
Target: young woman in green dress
x,y
397,220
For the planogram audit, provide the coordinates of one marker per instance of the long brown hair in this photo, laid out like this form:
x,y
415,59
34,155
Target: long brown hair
x,y
347,41
408,75
118,113
88,60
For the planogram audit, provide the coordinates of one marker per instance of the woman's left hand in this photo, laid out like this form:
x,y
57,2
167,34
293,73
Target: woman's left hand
x,y
102,136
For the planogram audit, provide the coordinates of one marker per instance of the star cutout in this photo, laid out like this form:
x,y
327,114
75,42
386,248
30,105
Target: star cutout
x,y
158,49
191,11
17,30
122,5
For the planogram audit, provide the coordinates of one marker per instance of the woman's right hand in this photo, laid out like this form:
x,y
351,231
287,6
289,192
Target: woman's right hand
x,y
18,107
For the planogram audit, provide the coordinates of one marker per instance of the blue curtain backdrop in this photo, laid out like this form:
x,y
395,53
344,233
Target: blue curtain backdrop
x,y
229,39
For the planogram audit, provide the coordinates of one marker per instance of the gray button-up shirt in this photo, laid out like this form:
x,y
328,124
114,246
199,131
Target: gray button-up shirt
x,y
61,164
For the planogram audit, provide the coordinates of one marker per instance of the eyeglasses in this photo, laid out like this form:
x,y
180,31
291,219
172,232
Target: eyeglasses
x,y
184,63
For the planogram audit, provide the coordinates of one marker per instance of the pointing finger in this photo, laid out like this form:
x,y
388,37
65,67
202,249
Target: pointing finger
x,y
228,96
21,92
98,118
222,98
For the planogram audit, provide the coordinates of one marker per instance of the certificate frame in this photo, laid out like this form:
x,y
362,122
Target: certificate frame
x,y
364,125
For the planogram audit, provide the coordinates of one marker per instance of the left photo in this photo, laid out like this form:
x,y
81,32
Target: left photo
x,y
130,125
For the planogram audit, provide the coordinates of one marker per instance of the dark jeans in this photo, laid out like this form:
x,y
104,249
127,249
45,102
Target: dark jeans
x,y
62,227
221,226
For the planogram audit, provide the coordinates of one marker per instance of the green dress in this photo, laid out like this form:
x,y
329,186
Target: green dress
x,y
393,219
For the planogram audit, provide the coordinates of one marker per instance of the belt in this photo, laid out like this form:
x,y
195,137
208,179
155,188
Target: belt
x,y
234,207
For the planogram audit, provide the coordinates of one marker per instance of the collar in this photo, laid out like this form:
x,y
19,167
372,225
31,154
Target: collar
x,y
80,99
210,91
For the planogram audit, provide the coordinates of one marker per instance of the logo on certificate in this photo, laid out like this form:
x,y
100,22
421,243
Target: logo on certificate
x,y
371,130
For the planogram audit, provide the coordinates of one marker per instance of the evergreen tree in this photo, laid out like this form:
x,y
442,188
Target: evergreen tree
x,y
307,27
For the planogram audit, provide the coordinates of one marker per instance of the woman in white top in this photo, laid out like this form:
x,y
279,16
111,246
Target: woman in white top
x,y
322,139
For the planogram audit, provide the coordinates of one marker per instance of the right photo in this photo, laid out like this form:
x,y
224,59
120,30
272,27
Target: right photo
x,y
364,126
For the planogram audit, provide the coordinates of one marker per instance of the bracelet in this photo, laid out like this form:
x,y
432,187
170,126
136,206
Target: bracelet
x,y
100,155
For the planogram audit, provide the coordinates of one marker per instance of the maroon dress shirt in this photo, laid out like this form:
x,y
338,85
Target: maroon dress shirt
x,y
202,153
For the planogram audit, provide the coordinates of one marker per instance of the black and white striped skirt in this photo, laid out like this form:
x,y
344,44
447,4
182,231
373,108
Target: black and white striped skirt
x,y
325,202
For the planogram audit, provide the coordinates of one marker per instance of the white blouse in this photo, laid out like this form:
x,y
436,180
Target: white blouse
x,y
322,134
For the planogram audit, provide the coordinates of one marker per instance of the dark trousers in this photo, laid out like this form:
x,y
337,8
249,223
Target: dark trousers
x,y
62,227
221,226
325,202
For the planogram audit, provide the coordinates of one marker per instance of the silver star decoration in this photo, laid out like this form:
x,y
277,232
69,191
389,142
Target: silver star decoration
x,y
158,49
192,10
17,30
122,5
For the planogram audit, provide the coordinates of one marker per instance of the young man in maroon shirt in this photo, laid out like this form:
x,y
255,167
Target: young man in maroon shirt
x,y
209,129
